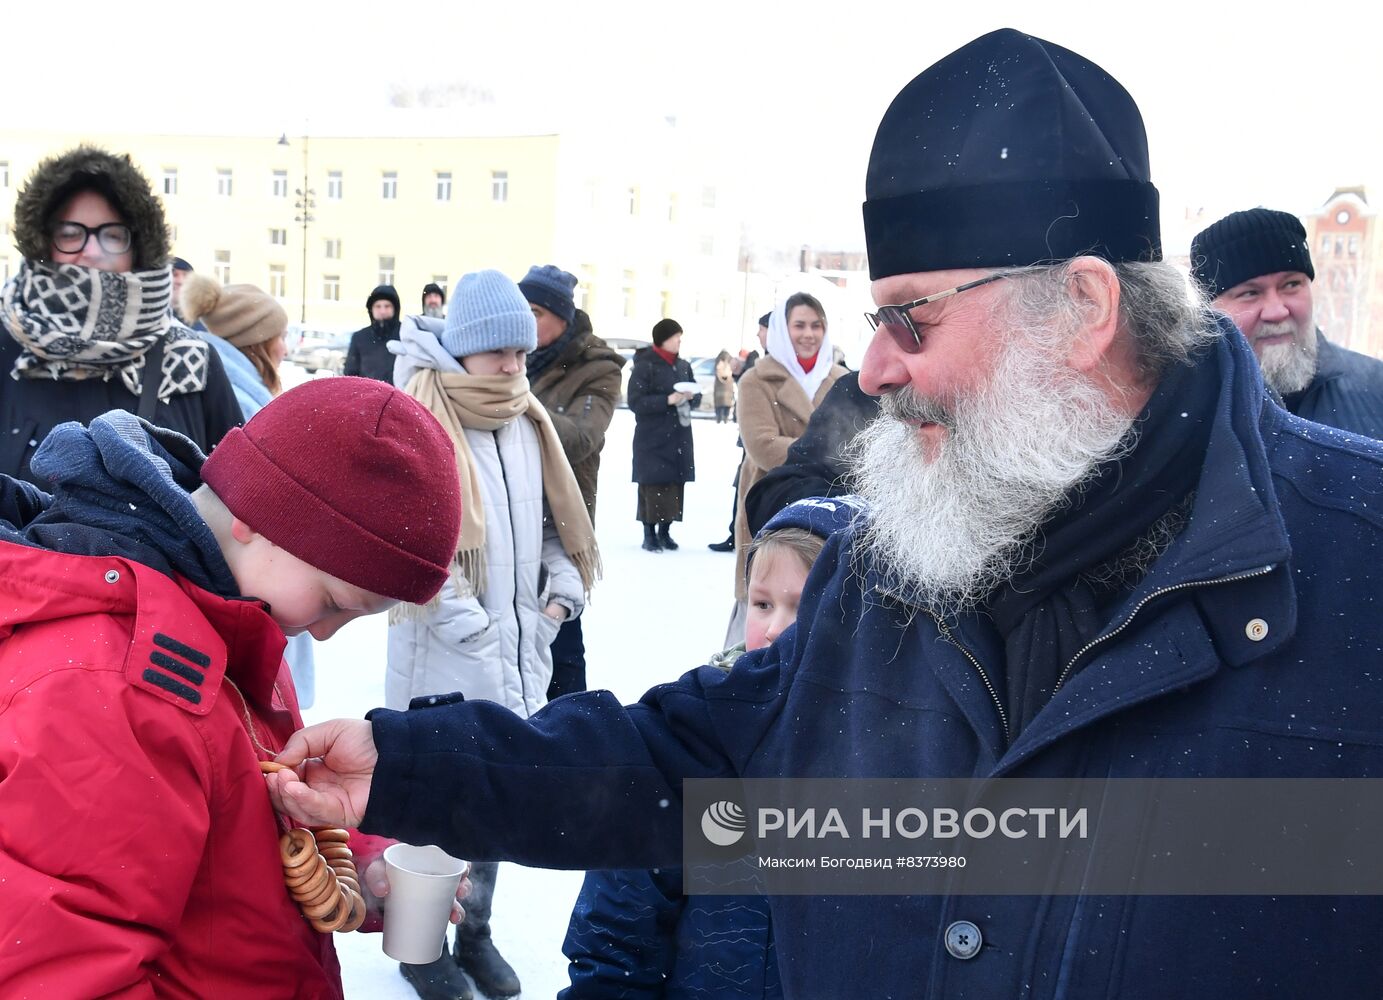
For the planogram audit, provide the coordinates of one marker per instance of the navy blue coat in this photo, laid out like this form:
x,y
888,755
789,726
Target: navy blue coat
x,y
635,936
1286,527
1347,391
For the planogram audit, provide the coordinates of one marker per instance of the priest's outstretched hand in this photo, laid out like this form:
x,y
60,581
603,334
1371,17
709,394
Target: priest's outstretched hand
x,y
332,766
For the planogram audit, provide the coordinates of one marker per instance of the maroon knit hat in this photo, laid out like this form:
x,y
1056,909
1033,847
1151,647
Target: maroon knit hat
x,y
353,477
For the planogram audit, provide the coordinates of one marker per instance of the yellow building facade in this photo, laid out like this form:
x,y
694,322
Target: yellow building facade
x,y
647,234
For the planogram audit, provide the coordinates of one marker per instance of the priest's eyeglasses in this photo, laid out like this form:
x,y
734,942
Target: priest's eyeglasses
x,y
897,322
71,237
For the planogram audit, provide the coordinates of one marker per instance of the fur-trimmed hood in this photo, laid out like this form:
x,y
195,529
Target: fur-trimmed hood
x,y
116,178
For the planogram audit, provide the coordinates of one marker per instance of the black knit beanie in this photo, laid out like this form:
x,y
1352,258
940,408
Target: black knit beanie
x,y
1246,245
663,329
1009,152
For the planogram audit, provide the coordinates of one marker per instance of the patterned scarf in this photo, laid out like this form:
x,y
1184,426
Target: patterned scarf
x,y
487,402
76,323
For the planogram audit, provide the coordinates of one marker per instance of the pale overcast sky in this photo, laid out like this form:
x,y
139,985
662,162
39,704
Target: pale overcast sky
x,y
1263,107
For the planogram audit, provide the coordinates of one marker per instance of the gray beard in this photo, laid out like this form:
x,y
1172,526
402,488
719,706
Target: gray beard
x,y
434,311
943,534
1289,367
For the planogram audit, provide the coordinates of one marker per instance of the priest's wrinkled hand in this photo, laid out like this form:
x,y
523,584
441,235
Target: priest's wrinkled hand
x,y
332,766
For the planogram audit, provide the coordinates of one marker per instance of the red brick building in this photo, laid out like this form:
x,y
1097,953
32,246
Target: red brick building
x,y
1346,244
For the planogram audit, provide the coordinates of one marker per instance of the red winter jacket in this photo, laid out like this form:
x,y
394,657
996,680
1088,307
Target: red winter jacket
x,y
138,847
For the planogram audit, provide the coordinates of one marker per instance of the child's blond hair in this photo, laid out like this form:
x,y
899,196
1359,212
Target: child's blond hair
x,y
799,541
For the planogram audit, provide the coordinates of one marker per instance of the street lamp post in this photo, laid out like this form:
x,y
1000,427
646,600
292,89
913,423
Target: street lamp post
x,y
304,206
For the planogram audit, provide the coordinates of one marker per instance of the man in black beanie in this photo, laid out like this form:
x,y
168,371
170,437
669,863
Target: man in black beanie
x,y
369,355
434,300
1256,268
1094,548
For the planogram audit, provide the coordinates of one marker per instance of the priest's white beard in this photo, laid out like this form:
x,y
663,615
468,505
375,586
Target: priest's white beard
x,y
1288,367
945,533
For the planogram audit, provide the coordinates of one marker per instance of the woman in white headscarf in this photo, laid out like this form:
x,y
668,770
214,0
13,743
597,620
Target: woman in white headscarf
x,y
776,399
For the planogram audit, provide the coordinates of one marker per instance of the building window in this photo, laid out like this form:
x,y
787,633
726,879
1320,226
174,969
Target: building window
x,y
331,287
708,197
223,183
279,186
170,180
667,304
499,185
1339,245
4,173
386,271
585,291
278,281
1353,245
223,266
1325,243
629,298
4,269
444,185
672,208
278,237
334,185
633,195
332,249
441,281
389,187
172,233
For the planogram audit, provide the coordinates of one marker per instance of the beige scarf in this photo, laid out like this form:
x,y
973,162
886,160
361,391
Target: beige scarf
x,y
486,403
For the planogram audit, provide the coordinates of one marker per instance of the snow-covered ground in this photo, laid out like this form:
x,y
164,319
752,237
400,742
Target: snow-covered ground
x,y
653,616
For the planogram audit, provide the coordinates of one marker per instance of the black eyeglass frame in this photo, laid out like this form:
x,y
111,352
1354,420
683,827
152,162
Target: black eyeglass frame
x,y
98,231
896,319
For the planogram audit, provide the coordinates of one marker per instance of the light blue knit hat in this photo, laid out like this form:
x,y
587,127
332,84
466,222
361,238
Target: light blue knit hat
x,y
488,312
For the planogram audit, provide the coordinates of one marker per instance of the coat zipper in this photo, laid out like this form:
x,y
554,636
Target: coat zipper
x,y
513,533
989,686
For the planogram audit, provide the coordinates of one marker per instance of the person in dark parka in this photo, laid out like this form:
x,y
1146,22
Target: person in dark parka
x,y
816,465
91,307
663,458
1255,267
1190,599
369,355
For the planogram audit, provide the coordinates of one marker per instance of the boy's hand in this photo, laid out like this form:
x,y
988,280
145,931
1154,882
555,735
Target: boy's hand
x,y
333,764
555,611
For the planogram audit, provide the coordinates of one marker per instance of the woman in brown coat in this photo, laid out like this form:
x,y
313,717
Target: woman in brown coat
x,y
724,395
776,399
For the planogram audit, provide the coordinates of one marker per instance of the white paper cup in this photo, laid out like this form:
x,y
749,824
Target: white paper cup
x,y
422,887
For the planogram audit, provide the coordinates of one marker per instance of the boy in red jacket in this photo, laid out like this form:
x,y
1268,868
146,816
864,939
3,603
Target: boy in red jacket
x,y
143,609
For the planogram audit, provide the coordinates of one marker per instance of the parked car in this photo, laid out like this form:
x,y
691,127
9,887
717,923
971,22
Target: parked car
x,y
318,350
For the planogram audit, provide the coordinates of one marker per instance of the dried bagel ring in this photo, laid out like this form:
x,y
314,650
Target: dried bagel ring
x,y
297,848
331,836
312,886
333,852
357,916
270,766
334,920
318,894
318,910
348,880
299,877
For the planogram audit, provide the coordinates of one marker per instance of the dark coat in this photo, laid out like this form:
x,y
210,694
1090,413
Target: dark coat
x,y
1280,531
662,446
1347,391
368,355
815,465
579,390
30,408
634,935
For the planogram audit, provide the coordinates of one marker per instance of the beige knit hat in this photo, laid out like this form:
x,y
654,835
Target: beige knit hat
x,y
240,314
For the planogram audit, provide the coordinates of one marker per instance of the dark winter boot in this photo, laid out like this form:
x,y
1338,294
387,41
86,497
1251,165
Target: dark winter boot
x,y
439,980
726,546
664,539
650,538
477,954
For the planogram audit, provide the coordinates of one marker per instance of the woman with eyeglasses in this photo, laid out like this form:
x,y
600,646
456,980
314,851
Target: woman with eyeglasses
x,y
776,399
88,324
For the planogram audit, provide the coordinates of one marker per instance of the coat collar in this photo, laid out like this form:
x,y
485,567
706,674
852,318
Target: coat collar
x,y
1232,560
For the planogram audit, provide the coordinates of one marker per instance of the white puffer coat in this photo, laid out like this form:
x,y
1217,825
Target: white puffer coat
x,y
495,647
